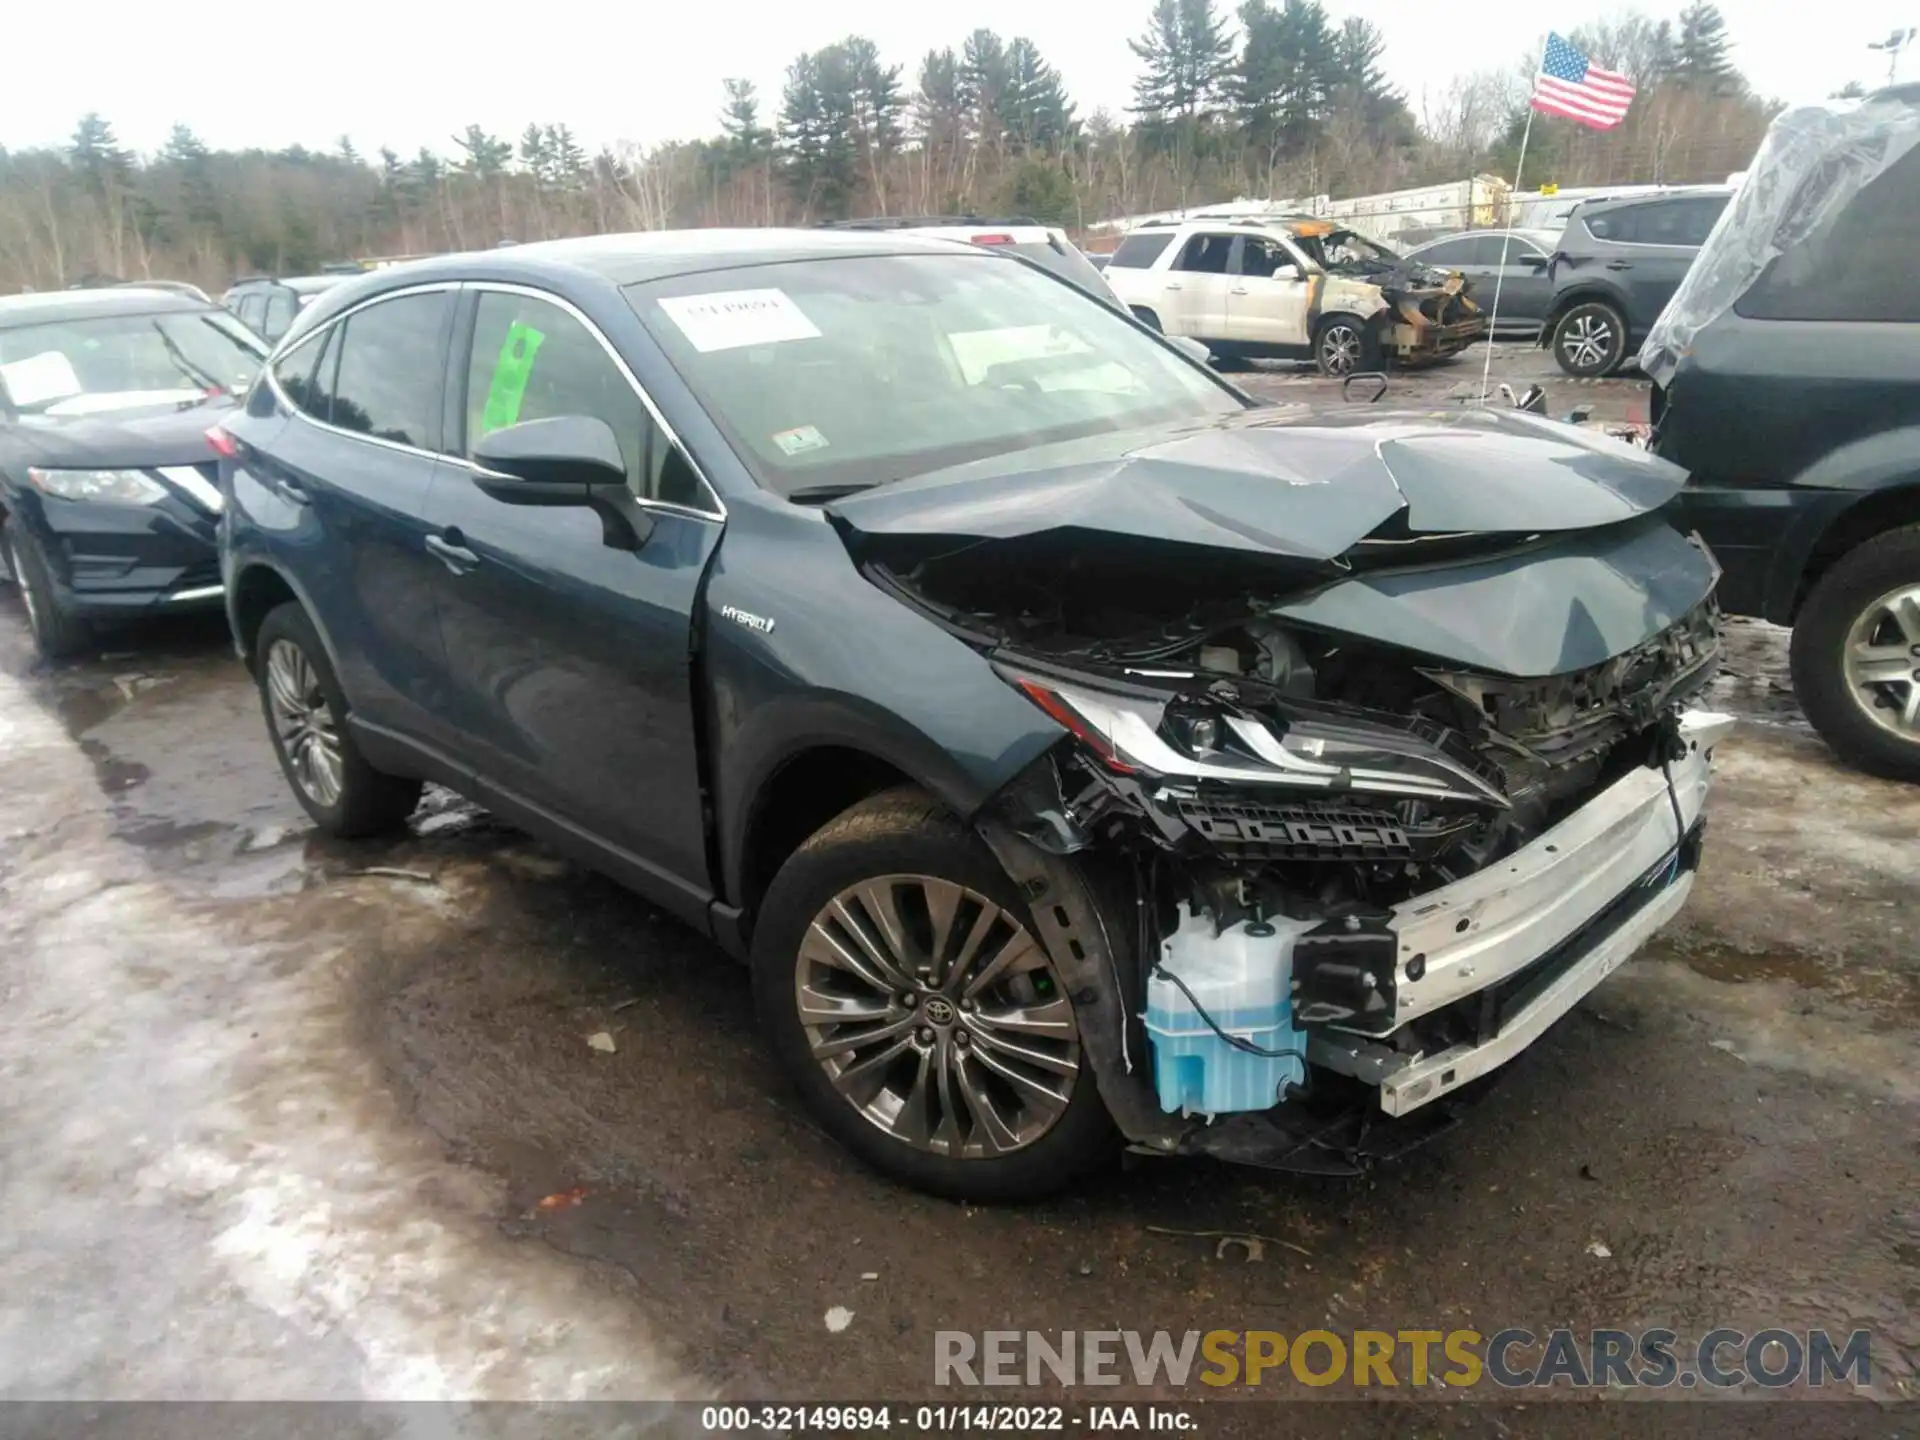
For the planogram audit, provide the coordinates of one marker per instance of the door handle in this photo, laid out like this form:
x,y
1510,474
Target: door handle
x,y
455,557
1172,285
1238,290
1619,264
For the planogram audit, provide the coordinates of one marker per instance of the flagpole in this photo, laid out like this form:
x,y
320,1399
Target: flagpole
x,y
1506,237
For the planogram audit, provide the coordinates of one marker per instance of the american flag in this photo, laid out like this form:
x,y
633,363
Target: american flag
x,y
1567,85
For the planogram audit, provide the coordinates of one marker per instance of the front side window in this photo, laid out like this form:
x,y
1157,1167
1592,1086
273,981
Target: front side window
x,y
1450,252
387,378
124,362
1266,259
845,373
1621,227
1343,249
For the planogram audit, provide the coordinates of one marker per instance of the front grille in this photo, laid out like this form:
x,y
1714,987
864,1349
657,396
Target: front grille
x,y
1311,832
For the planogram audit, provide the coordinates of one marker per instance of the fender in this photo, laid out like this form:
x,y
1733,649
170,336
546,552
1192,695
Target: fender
x,y
781,729
1577,293
1843,480
252,564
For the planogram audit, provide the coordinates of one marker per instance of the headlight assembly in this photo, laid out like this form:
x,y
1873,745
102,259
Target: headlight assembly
x,y
108,487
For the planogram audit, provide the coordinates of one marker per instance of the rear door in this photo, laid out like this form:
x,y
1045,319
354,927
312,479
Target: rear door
x,y
1267,300
571,659
343,489
1193,291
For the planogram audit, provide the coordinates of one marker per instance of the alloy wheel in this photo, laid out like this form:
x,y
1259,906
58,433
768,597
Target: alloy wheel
x,y
1587,342
1339,349
936,1015
303,723
1882,662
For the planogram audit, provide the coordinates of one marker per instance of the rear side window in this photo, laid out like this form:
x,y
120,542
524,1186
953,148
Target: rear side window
x,y
252,311
1206,254
1450,252
1138,252
279,314
387,379
1662,222
1858,266
305,374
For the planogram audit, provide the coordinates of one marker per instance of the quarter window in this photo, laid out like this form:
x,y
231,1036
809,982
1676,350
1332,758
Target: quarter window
x,y
304,379
387,379
1138,252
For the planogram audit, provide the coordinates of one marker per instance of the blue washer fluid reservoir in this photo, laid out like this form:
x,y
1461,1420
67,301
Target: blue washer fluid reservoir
x,y
1242,977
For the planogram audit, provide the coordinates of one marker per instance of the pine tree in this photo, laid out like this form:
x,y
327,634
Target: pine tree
x,y
487,156
1188,55
1701,57
96,155
747,138
1361,85
1034,111
347,153
983,83
567,160
938,110
534,155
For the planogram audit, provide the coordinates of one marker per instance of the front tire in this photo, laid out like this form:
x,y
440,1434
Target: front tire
x,y
1343,346
1855,656
899,982
1590,340
306,714
58,634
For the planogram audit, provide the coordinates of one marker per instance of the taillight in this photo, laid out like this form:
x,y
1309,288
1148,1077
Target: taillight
x,y
993,239
224,445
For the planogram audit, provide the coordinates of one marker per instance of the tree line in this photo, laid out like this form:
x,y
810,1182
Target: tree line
x,y
1274,98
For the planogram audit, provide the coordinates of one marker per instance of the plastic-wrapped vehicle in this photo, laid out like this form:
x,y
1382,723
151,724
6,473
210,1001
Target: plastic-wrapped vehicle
x,y
1787,380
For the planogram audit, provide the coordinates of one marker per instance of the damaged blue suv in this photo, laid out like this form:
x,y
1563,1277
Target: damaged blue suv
x,y
1077,752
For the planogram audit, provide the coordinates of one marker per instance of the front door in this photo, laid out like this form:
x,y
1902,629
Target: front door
x,y
1267,301
570,658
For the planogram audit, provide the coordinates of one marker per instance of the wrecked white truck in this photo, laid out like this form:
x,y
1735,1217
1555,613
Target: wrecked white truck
x,y
1078,751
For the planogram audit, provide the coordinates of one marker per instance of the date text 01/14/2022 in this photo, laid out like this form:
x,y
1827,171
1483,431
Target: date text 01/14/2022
x,y
941,1419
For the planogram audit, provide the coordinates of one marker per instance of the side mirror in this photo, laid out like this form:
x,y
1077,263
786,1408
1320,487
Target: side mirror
x,y
1191,348
1536,262
566,460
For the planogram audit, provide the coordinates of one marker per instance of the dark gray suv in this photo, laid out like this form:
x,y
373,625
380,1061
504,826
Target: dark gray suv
x,y
1618,264
1075,749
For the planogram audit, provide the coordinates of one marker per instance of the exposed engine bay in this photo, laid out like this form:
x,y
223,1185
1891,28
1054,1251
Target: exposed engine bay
x,y
1377,773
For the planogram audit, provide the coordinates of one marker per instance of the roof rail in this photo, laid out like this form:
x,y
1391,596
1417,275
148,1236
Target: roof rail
x,y
922,222
343,267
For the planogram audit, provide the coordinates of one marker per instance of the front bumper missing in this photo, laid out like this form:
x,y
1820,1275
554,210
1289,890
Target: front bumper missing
x,y
1428,341
1571,907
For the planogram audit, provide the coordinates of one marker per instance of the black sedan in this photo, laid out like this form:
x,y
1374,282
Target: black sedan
x,y
107,482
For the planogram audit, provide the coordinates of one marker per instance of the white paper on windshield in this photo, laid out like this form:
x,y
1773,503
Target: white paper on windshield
x,y
728,319
40,378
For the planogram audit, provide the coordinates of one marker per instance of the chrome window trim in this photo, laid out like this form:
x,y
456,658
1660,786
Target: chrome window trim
x,y
273,363
532,292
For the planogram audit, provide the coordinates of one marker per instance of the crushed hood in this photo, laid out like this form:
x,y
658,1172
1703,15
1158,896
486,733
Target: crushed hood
x,y
1300,487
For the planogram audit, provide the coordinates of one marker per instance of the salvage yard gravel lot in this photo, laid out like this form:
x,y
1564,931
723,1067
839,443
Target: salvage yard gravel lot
x,y
447,1116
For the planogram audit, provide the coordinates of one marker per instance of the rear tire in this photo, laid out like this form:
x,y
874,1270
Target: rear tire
x,y
1590,340
58,634
1855,655
306,714
918,1087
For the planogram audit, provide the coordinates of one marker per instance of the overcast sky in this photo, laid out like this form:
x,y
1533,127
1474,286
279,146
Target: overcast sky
x,y
405,73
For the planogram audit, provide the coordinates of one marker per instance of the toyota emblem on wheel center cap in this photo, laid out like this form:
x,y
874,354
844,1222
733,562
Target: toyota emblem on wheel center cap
x,y
939,1011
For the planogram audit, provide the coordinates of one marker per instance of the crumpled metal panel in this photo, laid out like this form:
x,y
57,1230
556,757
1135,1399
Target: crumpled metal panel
x,y
1564,605
1300,486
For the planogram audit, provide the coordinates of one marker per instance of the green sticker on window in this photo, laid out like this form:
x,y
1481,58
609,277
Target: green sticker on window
x,y
510,373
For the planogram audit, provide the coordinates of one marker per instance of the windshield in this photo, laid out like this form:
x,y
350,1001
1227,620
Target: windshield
x,y
121,362
1338,248
834,375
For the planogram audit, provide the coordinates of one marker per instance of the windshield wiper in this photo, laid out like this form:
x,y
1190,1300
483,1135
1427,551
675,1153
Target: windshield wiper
x,y
207,379
822,494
